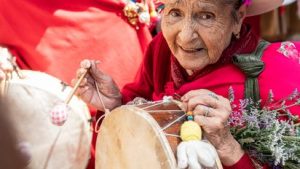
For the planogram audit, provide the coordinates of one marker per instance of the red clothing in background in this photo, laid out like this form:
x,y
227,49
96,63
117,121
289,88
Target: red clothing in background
x,y
254,21
54,36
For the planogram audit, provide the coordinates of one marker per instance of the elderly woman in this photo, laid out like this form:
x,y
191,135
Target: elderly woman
x,y
203,50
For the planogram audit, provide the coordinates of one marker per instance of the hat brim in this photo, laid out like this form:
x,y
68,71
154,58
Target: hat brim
x,y
258,7
287,2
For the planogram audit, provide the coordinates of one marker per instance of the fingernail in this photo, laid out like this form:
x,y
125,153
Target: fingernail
x,y
85,64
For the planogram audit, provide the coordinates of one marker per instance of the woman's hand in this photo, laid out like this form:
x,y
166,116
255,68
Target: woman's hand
x,y
108,90
211,112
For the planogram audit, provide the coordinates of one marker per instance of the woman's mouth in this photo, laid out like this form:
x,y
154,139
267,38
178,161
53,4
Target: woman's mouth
x,y
190,50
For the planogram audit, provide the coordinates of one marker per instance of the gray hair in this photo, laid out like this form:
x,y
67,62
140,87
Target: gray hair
x,y
236,6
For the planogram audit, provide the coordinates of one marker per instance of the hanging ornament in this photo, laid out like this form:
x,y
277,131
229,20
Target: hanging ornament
x,y
59,114
140,14
144,17
201,152
131,12
190,130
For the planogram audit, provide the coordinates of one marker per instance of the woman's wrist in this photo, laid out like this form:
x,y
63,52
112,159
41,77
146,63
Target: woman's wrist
x,y
230,152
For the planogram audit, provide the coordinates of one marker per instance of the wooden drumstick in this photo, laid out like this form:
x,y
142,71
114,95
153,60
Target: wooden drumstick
x,y
59,113
71,94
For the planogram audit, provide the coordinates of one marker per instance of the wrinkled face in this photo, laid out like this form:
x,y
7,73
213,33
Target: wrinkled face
x,y
197,31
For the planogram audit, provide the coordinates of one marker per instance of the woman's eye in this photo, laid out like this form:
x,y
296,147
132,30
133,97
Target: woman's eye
x,y
175,13
206,16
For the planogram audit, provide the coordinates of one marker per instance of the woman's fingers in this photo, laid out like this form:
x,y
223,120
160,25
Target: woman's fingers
x,y
204,111
210,109
91,65
203,100
96,73
210,122
89,79
208,97
81,91
211,113
206,103
194,93
85,64
204,97
80,72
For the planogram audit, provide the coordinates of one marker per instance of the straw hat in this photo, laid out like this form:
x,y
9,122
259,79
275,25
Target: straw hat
x,y
257,7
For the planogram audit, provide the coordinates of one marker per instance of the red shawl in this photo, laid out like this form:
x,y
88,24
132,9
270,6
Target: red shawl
x,y
161,74
246,44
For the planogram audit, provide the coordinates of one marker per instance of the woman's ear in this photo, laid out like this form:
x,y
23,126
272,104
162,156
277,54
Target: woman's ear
x,y
241,15
242,12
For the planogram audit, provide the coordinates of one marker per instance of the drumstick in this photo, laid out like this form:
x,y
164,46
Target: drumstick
x,y
59,113
71,94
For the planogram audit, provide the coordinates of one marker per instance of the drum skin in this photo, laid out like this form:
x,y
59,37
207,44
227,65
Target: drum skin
x,y
132,138
48,146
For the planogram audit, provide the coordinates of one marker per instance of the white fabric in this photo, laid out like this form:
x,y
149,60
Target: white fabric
x,y
287,2
195,154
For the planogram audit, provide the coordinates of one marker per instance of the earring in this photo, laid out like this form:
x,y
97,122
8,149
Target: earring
x,y
237,35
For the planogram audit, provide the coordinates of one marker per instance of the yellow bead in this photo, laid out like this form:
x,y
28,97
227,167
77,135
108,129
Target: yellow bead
x,y
190,130
189,113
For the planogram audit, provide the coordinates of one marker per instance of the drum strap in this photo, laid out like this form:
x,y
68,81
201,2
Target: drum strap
x,y
252,66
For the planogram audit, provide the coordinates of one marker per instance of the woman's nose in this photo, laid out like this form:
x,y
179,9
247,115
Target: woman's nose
x,y
187,33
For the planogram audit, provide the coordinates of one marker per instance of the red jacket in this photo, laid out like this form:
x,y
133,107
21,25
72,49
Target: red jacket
x,y
281,74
